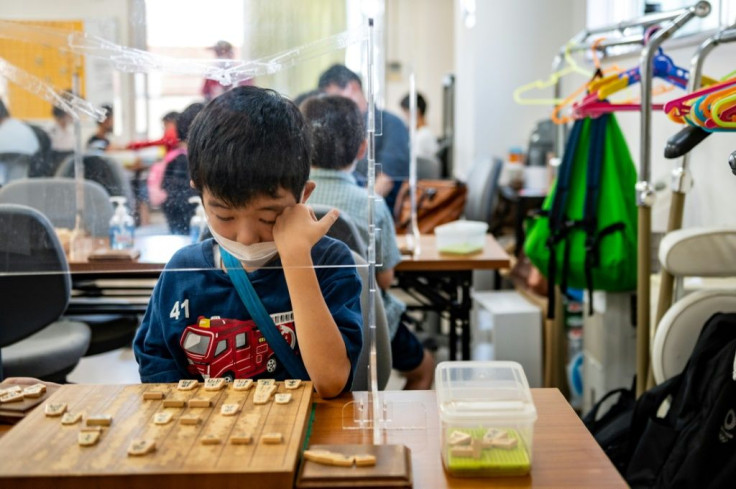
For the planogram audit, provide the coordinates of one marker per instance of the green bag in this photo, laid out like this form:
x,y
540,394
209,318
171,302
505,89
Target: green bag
x,y
585,235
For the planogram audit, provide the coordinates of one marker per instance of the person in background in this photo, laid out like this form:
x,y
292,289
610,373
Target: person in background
x,y
100,140
170,139
249,152
15,135
425,143
392,146
213,88
61,131
338,134
175,183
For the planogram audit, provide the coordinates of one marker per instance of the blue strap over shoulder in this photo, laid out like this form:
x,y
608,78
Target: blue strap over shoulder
x,y
263,320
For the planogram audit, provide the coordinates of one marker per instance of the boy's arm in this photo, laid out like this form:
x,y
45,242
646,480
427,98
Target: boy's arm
x,y
320,341
155,362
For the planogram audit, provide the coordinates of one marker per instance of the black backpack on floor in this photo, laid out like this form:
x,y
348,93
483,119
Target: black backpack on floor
x,y
683,431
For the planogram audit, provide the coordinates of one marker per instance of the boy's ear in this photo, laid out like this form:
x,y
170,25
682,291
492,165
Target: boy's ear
x,y
308,189
361,150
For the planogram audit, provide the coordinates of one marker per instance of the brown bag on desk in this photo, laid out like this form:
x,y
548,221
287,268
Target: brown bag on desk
x,y
438,202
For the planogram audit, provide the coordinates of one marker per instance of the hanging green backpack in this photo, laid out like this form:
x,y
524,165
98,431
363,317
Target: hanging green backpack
x,y
585,235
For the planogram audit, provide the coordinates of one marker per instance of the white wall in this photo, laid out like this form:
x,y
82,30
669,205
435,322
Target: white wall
x,y
511,44
420,37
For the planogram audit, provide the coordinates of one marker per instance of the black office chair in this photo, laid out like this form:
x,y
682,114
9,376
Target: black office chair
x,y
35,284
482,185
344,230
103,170
41,165
14,166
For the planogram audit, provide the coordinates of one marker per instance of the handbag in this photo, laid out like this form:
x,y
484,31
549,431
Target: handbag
x,y
438,202
263,320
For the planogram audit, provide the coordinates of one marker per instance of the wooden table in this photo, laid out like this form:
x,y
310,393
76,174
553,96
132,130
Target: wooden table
x,y
442,282
565,455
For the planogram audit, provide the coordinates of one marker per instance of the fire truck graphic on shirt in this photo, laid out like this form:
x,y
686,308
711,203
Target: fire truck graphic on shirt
x,y
231,348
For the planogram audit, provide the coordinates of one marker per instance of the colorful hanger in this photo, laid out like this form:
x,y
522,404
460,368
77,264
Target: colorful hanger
x,y
571,67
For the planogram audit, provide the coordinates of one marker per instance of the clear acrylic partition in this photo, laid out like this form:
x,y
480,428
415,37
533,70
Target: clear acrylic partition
x,y
159,64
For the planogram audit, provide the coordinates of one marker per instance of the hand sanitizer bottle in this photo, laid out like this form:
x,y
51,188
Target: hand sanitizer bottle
x,y
122,225
198,222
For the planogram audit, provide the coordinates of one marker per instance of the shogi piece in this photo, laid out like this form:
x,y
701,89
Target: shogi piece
x,y
162,417
175,403
282,398
365,460
138,448
11,397
189,419
88,438
241,439
242,384
55,409
211,440
459,438
199,403
99,420
272,438
229,409
292,383
71,418
34,391
187,384
153,395
214,384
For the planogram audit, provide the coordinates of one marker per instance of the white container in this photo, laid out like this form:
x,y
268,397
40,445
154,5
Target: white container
x,y
461,237
491,402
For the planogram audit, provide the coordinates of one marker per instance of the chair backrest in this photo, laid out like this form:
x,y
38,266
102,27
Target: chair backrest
x,y
56,199
428,168
14,166
34,276
42,164
482,183
692,252
361,379
344,229
103,170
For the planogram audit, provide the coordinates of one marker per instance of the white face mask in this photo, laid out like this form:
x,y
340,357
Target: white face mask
x,y
252,256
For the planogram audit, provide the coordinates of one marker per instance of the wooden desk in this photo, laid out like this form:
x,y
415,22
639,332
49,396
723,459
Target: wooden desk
x,y
442,282
564,454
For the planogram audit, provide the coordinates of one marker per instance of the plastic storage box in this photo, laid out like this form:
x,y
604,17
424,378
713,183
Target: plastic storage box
x,y
487,418
461,237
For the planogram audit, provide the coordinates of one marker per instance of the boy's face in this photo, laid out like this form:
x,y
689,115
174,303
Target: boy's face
x,y
252,223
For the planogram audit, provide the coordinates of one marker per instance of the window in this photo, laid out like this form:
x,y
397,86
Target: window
x,y
221,347
196,343
240,340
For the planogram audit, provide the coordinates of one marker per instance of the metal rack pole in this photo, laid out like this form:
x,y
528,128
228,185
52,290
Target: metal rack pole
x,y
681,178
645,191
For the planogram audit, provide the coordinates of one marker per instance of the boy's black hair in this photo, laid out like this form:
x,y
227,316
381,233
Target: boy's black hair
x,y
338,75
172,116
249,142
421,103
184,120
338,130
107,109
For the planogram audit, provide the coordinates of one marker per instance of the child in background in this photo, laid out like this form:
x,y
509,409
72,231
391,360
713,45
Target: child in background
x,y
249,155
339,141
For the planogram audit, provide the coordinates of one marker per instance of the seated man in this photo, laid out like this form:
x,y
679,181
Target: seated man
x,y
338,133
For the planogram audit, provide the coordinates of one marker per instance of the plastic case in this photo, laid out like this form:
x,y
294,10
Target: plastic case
x,y
461,237
487,418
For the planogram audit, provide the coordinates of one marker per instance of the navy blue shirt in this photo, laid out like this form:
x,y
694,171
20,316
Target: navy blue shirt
x,y
195,306
392,154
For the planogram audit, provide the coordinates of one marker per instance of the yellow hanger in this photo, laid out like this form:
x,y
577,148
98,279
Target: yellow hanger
x,y
572,67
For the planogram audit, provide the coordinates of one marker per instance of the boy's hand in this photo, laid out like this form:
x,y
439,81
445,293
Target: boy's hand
x,y
297,230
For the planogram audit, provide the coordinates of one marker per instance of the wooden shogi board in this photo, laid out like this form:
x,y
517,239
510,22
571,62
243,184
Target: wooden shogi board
x,y
41,452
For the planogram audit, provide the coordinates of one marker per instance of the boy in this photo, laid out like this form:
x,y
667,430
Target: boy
x,y
249,155
339,140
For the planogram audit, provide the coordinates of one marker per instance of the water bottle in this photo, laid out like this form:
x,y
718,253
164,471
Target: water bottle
x,y
198,222
122,225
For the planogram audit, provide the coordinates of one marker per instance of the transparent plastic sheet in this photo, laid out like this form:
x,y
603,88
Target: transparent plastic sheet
x,y
131,60
68,102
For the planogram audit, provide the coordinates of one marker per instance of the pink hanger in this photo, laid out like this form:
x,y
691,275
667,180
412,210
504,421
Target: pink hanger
x,y
590,106
680,103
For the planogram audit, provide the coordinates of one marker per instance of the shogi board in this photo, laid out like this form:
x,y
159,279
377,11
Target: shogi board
x,y
41,452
